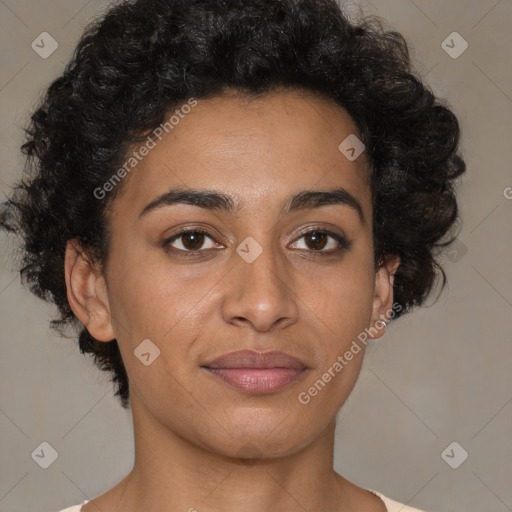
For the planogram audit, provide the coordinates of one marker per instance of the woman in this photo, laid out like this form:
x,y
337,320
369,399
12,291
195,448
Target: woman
x,y
228,199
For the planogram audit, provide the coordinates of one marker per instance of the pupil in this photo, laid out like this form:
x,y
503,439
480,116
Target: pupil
x,y
316,236
198,242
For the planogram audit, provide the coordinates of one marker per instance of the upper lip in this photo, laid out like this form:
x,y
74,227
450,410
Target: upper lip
x,y
255,359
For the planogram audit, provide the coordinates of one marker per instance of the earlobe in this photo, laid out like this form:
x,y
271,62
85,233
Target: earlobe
x,y
87,292
383,298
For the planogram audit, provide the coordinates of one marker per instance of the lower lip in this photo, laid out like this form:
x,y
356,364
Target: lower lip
x,y
257,380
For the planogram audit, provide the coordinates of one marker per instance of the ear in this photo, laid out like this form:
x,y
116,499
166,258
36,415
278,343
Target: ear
x,y
383,298
87,292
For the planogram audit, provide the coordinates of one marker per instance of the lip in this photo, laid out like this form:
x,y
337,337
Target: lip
x,y
256,372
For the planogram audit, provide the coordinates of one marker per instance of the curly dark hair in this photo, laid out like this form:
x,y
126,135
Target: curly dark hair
x,y
143,58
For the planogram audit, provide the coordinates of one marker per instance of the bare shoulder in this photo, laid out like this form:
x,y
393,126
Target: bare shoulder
x,y
357,498
107,501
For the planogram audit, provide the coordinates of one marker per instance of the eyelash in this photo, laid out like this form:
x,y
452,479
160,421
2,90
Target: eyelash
x,y
344,244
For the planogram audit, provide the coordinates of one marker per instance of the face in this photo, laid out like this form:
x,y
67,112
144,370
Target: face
x,y
263,273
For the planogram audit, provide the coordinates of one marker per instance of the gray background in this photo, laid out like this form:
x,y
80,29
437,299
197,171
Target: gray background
x,y
439,375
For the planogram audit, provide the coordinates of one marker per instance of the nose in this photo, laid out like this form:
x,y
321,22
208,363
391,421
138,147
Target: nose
x,y
260,293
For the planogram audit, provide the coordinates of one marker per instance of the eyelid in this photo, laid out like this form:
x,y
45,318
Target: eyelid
x,y
344,243
184,232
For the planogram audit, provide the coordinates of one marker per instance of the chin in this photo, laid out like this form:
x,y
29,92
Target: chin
x,y
262,439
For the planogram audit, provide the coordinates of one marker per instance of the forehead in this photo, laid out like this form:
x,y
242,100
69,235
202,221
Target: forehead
x,y
256,150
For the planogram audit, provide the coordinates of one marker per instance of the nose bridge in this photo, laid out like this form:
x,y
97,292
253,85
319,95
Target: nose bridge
x,y
260,291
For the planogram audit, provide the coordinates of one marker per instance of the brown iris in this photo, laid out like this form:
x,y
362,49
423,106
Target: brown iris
x,y
317,237
196,240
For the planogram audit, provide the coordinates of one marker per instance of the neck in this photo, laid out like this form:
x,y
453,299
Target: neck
x,y
171,474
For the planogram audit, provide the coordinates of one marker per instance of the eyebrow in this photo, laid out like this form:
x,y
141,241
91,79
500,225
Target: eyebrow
x,y
216,201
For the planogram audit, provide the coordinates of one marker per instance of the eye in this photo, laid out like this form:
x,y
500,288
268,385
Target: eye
x,y
190,241
317,241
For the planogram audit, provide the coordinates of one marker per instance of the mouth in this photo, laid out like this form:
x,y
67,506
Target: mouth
x,y
256,372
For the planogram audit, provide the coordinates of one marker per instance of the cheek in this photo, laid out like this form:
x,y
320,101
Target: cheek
x,y
152,298
341,306
168,305
342,297
343,315
148,295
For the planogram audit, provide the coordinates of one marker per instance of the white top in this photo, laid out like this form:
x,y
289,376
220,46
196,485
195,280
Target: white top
x,y
391,505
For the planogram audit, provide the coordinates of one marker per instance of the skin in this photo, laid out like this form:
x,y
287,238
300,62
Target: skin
x,y
199,443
